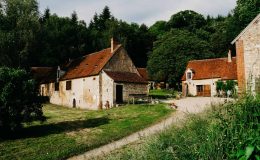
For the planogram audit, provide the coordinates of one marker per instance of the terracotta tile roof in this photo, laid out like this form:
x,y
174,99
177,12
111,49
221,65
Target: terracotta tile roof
x,y
144,73
125,77
44,75
213,68
88,65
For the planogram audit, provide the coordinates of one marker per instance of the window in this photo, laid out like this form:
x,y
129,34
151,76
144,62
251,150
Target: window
x,y
68,85
56,86
199,88
189,75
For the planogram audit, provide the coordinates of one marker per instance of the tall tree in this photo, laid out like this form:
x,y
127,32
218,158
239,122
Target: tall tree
x,y
187,20
172,52
18,31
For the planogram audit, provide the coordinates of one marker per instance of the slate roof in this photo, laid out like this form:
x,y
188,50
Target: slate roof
x,y
126,77
213,68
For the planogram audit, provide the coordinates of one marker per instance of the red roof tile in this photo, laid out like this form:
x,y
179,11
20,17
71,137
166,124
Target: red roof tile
x,y
88,65
213,68
125,77
144,74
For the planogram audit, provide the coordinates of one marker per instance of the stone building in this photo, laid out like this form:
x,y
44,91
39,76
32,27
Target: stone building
x,y
200,76
248,57
95,81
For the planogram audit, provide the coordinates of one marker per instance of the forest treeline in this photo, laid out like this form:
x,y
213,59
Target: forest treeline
x,y
30,38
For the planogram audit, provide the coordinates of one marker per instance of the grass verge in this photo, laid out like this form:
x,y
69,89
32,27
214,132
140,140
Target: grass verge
x,y
231,131
68,132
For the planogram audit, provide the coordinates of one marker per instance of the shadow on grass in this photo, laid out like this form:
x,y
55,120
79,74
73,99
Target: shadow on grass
x,y
54,128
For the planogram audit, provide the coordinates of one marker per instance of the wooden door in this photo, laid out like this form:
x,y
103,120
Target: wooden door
x,y
206,91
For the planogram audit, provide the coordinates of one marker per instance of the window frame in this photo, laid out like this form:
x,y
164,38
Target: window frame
x,y
199,88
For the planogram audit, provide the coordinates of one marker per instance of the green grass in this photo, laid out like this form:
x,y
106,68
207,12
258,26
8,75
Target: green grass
x,y
231,131
162,93
68,132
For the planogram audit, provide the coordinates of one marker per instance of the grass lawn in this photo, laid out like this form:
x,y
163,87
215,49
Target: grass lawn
x,y
162,93
68,132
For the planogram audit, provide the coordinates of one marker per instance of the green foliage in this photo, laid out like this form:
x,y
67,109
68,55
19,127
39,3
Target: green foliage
x,y
243,14
171,53
220,85
18,29
188,19
230,131
229,85
19,101
30,39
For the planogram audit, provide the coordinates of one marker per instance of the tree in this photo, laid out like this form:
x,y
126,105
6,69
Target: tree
x,y
158,28
187,20
172,52
18,31
19,101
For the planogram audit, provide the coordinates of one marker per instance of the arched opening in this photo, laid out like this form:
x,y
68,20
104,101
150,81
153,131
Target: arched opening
x,y
74,103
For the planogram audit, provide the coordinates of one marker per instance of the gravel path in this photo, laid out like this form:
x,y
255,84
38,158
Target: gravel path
x,y
186,105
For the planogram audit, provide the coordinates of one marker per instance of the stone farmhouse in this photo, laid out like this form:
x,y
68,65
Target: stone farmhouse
x,y
95,81
248,57
200,76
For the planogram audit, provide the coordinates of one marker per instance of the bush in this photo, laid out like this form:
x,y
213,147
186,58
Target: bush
x,y
19,100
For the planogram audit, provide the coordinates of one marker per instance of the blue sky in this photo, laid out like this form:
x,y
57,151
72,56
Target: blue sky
x,y
138,11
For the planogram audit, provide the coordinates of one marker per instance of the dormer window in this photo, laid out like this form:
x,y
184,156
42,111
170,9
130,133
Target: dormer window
x,y
189,75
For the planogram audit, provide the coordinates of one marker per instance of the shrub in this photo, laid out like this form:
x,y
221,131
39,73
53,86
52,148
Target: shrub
x,y
19,101
229,85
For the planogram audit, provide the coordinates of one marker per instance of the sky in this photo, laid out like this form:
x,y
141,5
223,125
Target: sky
x,y
138,11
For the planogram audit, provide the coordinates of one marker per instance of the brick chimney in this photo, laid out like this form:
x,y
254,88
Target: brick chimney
x,y
229,56
113,44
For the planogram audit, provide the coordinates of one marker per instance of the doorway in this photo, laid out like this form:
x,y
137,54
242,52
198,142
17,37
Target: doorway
x,y
119,93
74,103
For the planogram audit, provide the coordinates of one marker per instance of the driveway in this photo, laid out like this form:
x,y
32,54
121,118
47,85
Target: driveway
x,y
195,104
187,105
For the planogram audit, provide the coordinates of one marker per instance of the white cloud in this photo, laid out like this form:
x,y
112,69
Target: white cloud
x,y
139,11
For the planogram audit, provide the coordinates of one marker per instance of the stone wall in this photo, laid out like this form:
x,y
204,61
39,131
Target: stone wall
x,y
121,62
131,88
248,48
85,91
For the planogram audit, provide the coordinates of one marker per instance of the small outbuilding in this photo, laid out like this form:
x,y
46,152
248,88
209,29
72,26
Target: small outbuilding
x,y
200,76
